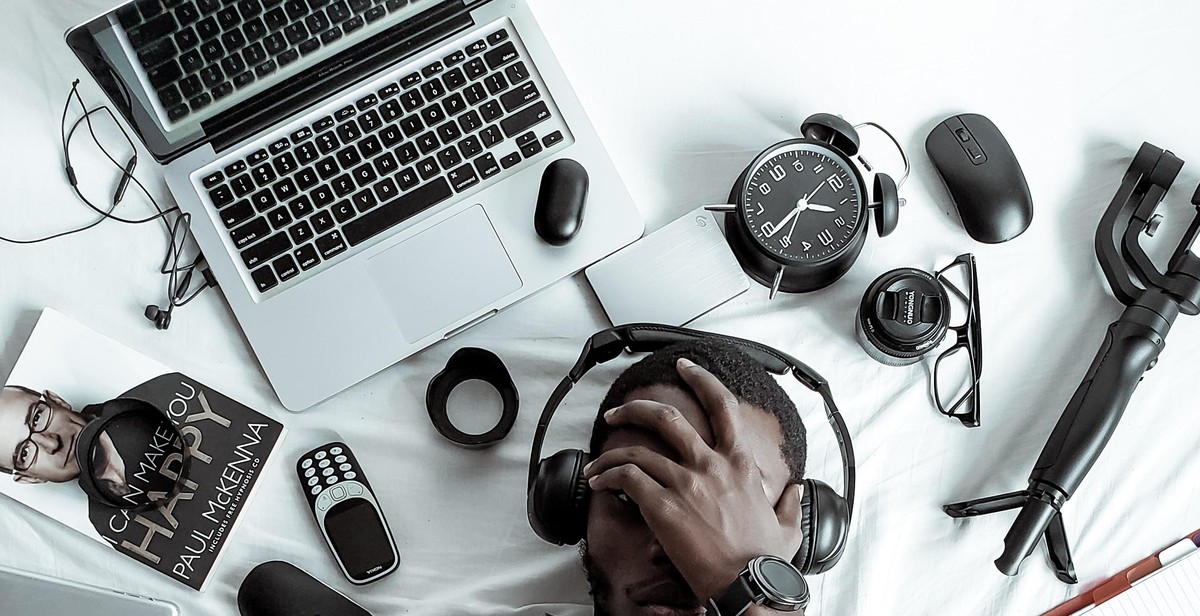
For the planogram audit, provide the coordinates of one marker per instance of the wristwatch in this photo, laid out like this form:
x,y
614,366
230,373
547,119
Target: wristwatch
x,y
767,580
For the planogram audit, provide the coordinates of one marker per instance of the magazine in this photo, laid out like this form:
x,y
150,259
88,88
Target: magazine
x,y
63,374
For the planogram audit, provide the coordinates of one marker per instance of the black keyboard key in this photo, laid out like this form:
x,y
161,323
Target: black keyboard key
x,y
295,9
487,166
396,211
407,153
552,139
233,40
300,207
317,23
386,190
366,102
526,139
250,232
454,58
243,79
530,150
263,200
364,174
285,267
470,146
462,178
275,19
495,83
352,24
221,196
212,75
491,111
257,156
164,74
432,89
296,33
306,178
520,97
427,142
391,135
327,142
359,6
412,125
501,55
178,112
207,28
266,68
370,146
411,100
490,136
255,54
475,93
454,104
213,179
309,46
212,50
396,5
285,189
348,157
385,164
510,160
322,196
266,250
300,135
432,69
475,69
254,29
428,168
306,256
454,79
279,217
524,119
263,175
391,110
208,7
300,232
449,157
348,131
344,211
235,167
433,114
152,30
407,178
410,80
449,132
186,39
338,12
280,145
322,221
233,64
374,14
237,214
388,91
323,124
186,13
249,8
369,121
306,153
364,200
275,44
342,185
517,73
328,167
476,48
264,279
497,36
200,101
470,121
330,245
190,86
158,52
242,184
287,57
128,16
228,17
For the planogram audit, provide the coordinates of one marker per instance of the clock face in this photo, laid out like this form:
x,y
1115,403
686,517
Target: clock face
x,y
802,203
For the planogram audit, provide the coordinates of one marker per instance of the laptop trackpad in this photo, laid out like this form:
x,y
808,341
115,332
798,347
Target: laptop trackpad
x,y
444,273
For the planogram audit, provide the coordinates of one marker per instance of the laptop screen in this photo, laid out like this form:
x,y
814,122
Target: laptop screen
x,y
188,72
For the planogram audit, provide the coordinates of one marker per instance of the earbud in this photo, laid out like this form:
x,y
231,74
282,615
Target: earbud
x,y
161,318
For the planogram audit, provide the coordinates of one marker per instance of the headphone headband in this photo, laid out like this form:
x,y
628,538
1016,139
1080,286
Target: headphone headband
x,y
105,414
608,344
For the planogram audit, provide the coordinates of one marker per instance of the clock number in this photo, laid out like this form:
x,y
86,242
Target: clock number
x,y
769,228
798,166
785,241
777,173
839,221
806,246
818,168
826,237
761,209
835,182
764,188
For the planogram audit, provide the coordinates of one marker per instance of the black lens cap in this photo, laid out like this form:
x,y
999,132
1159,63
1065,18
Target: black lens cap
x,y
904,314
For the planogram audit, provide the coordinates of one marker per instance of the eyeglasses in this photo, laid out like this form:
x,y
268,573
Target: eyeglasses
x,y
40,414
956,372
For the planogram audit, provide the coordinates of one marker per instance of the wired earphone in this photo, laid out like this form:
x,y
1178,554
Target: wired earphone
x,y
179,275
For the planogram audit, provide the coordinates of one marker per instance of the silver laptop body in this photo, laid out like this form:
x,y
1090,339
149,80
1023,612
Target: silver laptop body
x,y
375,272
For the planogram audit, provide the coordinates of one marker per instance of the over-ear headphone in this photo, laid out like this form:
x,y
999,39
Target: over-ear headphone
x,y
558,493
137,418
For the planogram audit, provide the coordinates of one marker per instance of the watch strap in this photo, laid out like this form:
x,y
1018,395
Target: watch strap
x,y
739,597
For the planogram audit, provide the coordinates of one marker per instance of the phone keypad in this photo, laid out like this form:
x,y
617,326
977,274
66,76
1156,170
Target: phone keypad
x,y
324,470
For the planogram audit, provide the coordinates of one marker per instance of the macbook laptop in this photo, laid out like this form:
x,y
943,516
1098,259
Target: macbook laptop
x,y
361,175
24,593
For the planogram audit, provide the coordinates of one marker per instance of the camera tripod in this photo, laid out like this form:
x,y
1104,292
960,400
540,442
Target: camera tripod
x,y
1153,300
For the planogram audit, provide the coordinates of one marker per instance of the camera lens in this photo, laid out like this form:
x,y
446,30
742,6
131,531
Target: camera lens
x,y
903,315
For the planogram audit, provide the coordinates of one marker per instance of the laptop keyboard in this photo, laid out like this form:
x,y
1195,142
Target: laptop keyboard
x,y
197,52
315,193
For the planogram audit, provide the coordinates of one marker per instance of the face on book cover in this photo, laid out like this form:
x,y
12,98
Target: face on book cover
x,y
53,454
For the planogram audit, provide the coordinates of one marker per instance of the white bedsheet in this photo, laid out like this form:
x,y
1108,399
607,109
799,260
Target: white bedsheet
x,y
684,94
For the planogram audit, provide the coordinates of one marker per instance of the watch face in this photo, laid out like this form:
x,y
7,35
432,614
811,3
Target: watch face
x,y
802,202
782,578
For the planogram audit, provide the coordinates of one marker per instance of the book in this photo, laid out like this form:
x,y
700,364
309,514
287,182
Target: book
x,y
231,445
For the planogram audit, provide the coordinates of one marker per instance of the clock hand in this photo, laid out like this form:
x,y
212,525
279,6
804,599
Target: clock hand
x,y
820,208
793,227
772,229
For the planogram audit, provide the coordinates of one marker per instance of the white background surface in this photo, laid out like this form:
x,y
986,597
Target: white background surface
x,y
683,95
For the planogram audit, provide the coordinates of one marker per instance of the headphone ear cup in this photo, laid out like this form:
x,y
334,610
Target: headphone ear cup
x,y
886,201
825,522
558,500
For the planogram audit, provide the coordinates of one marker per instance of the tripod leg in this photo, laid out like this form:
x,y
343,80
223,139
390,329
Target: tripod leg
x,y
984,506
1059,551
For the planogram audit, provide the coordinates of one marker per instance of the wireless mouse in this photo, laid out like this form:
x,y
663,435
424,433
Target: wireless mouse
x,y
561,200
983,176
278,588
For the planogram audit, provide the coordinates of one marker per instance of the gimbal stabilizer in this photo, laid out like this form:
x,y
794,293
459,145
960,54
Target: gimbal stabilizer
x,y
1153,300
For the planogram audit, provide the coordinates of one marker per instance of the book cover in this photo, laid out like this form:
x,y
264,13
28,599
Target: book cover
x,y
63,370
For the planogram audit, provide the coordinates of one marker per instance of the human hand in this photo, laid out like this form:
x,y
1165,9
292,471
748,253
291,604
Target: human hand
x,y
706,505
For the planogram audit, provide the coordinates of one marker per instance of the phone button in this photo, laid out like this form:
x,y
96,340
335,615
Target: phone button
x,y
337,493
312,481
351,475
310,472
316,490
324,464
345,467
320,455
340,459
354,489
324,501
306,463
331,480
335,451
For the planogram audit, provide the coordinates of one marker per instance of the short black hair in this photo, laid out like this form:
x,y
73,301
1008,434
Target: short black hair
x,y
742,374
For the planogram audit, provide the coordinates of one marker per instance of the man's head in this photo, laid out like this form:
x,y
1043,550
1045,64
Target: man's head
x,y
626,566
37,436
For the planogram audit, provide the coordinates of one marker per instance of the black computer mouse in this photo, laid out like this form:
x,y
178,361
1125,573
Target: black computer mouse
x,y
278,588
983,177
560,202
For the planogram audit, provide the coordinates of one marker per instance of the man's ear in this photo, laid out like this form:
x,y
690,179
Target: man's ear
x,y
19,478
58,400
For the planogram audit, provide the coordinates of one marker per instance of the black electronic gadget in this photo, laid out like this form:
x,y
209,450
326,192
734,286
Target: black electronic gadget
x,y
797,216
983,177
279,588
1153,300
766,580
347,512
561,200
558,493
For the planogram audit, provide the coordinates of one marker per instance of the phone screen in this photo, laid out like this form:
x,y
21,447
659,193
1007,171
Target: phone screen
x,y
359,538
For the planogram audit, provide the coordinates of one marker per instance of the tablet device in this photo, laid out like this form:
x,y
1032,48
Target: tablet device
x,y
23,593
